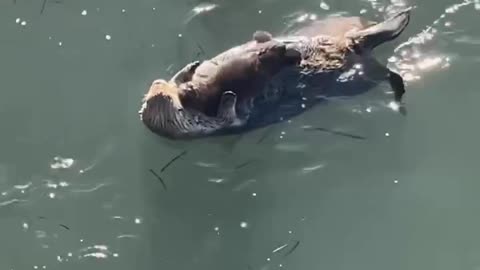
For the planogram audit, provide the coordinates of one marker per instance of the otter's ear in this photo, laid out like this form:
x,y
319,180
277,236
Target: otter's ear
x,y
262,36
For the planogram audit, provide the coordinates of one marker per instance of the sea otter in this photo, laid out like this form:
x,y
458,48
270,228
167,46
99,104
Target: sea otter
x,y
203,98
326,48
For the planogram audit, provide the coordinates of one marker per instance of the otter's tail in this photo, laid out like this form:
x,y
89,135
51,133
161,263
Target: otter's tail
x,y
384,31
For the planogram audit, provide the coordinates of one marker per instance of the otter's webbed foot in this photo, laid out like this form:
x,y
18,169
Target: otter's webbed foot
x,y
186,73
193,66
398,87
245,109
226,110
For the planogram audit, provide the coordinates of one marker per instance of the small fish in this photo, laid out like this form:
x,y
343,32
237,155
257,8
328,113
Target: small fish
x,y
44,4
173,160
244,164
159,179
353,136
292,249
202,51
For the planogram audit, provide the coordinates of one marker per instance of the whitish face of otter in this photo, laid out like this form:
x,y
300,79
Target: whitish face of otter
x,y
162,87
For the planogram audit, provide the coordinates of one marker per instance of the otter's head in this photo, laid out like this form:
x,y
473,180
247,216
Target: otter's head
x,y
166,89
160,108
163,113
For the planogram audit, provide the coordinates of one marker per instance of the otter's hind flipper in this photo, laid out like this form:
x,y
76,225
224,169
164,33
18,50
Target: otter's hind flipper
x,y
384,31
398,87
397,84
186,73
262,36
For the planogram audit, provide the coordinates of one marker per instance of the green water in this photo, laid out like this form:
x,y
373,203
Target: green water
x,y
75,181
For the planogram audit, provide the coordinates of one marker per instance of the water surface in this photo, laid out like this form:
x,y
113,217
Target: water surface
x,y
76,187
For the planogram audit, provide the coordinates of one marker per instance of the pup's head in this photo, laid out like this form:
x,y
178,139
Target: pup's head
x,y
164,88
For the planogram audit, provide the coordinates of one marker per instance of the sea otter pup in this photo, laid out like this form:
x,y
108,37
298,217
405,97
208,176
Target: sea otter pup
x,y
201,99
163,113
244,70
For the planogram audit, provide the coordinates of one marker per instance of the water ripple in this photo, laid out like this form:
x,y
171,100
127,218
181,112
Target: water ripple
x,y
61,163
244,185
21,187
313,168
206,165
96,251
409,59
91,189
289,147
13,201
133,236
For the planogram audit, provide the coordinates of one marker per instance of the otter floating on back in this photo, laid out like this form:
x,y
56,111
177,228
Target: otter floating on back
x,y
205,99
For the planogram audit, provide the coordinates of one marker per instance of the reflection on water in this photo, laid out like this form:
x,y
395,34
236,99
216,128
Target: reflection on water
x,y
344,185
416,56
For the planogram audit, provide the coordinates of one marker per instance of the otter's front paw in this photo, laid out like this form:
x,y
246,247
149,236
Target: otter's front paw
x,y
193,66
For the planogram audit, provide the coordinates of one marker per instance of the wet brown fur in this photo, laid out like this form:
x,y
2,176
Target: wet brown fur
x,y
164,88
246,76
